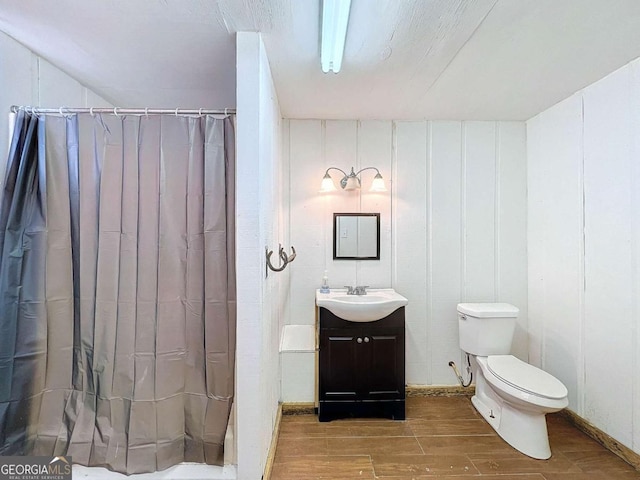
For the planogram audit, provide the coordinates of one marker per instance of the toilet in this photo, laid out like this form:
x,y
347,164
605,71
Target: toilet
x,y
511,395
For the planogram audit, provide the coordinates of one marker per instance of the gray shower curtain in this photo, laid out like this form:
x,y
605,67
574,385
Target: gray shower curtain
x,y
117,289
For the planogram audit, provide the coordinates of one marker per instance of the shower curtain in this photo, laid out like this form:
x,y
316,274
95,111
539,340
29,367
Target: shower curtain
x,y
117,284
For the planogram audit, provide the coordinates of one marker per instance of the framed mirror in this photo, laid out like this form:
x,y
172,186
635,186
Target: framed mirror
x,y
356,236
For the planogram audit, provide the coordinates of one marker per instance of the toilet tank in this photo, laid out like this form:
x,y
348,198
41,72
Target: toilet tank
x,y
486,328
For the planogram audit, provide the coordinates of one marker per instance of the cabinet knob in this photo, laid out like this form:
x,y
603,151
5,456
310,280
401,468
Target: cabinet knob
x,y
359,340
366,339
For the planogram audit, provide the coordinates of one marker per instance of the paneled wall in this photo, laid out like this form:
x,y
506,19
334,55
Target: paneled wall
x,y
260,223
453,223
28,79
584,249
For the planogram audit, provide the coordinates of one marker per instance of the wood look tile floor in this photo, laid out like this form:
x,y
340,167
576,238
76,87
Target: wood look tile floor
x,y
443,437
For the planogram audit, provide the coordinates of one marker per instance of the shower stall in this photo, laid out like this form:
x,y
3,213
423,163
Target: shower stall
x,y
118,291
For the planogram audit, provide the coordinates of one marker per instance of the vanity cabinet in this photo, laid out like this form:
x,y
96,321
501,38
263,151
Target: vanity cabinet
x,y
361,367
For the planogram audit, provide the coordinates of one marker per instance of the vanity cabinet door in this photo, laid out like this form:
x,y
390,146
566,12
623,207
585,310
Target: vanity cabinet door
x,y
383,366
339,362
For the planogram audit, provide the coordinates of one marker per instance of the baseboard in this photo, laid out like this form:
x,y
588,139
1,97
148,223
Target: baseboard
x,y
604,439
439,391
298,408
272,448
308,408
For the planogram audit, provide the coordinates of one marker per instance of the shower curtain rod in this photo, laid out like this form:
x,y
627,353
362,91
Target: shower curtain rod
x,y
128,111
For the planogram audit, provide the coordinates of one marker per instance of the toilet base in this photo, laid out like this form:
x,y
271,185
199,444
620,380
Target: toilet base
x,y
525,432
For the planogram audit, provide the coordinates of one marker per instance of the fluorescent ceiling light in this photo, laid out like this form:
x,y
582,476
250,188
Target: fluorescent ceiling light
x,y
335,18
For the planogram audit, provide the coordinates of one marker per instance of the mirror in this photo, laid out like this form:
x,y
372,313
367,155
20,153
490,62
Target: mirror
x,y
356,236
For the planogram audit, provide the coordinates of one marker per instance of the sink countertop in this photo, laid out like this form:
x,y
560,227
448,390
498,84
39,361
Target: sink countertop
x,y
375,305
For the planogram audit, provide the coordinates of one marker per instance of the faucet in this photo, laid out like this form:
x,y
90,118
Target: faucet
x,y
357,290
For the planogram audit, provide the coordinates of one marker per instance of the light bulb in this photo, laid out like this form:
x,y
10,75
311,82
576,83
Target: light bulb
x,y
378,184
327,184
352,183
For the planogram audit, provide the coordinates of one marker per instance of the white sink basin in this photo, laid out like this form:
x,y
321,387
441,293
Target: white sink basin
x,y
376,304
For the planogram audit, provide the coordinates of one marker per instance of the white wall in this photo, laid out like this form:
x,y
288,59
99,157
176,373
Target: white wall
x,y
30,80
453,224
584,249
260,224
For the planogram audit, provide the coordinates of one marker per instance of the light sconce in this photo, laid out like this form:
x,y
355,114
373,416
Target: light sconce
x,y
335,19
351,181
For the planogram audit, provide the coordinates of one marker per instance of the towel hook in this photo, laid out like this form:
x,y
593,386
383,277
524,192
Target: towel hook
x,y
288,258
270,265
284,258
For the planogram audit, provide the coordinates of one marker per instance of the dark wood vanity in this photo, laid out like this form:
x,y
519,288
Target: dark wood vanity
x,y
361,367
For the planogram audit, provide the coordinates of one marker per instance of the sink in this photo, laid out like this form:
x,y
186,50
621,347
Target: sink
x,y
376,304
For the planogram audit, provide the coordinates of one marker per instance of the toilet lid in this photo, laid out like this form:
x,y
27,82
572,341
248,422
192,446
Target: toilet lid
x,y
525,377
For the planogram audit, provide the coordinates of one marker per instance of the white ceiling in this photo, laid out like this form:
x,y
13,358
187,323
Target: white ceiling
x,y
404,59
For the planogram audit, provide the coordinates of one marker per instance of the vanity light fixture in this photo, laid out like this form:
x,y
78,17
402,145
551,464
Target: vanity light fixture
x,y
351,181
335,18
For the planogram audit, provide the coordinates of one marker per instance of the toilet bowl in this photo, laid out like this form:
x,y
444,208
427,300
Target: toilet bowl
x,y
515,401
511,395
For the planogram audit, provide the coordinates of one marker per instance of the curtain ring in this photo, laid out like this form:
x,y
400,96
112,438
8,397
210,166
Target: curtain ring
x,y
225,111
146,112
200,112
176,112
115,111
60,110
91,112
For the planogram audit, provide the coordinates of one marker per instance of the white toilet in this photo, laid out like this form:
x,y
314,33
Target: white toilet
x,y
511,395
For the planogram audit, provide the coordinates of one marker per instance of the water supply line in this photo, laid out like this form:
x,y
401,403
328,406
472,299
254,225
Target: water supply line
x,y
452,364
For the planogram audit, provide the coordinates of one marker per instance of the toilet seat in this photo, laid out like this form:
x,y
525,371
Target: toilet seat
x,y
525,377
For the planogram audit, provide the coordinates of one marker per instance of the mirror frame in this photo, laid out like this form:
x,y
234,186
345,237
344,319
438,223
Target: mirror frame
x,y
335,235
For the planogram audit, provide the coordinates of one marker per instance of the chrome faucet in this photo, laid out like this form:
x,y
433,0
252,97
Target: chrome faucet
x,y
362,289
357,290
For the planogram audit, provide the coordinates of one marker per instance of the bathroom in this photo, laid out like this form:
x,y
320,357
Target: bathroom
x,y
516,185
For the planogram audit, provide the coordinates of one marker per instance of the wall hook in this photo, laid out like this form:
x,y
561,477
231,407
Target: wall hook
x,y
288,258
285,259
